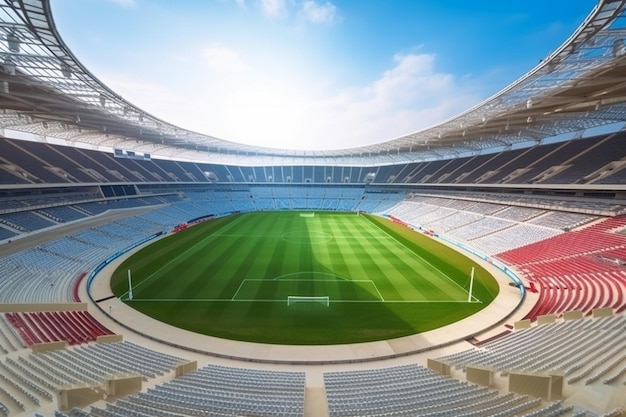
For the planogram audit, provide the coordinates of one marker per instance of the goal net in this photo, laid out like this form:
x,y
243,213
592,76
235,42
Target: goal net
x,y
292,299
307,214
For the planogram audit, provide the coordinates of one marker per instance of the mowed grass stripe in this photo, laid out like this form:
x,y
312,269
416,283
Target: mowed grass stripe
x,y
267,256
352,251
329,259
253,257
163,268
324,259
388,277
365,258
194,274
250,259
207,269
362,250
439,281
199,271
303,261
409,277
396,270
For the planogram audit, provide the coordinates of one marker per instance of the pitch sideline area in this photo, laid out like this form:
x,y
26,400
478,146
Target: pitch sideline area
x,y
487,322
379,284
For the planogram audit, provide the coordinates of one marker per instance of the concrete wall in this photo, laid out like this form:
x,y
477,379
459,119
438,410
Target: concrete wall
x,y
438,366
480,376
186,367
548,387
48,347
110,338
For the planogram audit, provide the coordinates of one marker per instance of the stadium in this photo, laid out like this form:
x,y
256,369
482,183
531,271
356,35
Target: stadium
x,y
474,268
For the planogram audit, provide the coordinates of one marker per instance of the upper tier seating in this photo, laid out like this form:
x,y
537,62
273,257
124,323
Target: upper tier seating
x,y
26,221
568,162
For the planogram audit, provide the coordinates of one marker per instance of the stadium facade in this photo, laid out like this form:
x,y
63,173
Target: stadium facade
x,y
532,180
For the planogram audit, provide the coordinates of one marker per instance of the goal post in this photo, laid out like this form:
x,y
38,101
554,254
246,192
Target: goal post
x,y
292,299
130,287
469,293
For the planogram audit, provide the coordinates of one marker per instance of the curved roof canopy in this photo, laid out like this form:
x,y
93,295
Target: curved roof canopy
x,y
46,91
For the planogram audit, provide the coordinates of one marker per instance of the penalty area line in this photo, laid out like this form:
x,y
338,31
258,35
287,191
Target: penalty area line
x,y
237,292
376,288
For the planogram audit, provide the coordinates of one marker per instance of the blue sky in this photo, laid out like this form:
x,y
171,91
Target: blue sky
x,y
311,74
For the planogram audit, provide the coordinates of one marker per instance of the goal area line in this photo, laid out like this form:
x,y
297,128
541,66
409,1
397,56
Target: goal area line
x,y
321,299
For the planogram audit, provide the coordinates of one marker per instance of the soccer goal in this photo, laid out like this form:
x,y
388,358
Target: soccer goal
x,y
308,214
292,299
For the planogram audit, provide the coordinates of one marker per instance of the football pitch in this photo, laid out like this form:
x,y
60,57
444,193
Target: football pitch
x,y
303,278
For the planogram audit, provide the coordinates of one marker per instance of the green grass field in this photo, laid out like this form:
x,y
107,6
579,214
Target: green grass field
x,y
231,278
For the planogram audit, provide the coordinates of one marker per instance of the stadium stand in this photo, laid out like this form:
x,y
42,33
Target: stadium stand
x,y
214,391
545,199
74,327
574,158
585,349
412,390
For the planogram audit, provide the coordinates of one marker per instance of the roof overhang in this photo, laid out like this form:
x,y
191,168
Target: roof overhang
x,y
47,92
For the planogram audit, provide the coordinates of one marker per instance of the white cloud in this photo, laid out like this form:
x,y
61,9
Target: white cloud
x,y
241,4
412,79
161,100
274,8
222,60
309,11
125,3
318,13
242,101
407,97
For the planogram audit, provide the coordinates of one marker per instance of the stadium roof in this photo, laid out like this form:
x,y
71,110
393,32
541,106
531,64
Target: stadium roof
x,y
45,91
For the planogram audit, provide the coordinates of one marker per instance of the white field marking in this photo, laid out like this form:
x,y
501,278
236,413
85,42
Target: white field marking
x,y
203,241
415,254
311,280
257,300
234,297
228,226
291,237
331,236
249,235
339,277
135,287
238,288
379,294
